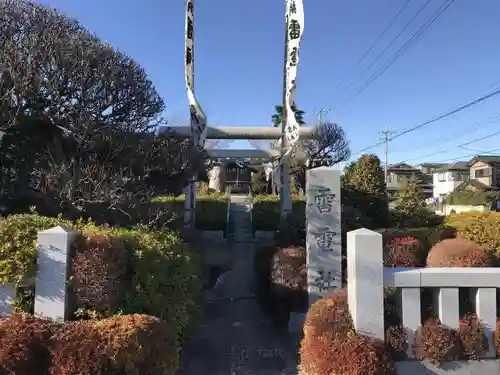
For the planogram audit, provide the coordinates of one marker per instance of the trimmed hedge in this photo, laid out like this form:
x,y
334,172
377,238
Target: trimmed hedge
x,y
129,344
482,228
329,321
115,270
266,212
331,345
211,210
459,252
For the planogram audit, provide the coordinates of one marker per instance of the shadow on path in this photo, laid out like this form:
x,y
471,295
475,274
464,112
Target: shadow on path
x,y
236,336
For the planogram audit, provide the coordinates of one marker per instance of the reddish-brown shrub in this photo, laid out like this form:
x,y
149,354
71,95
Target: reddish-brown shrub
x,y
404,252
24,345
138,344
396,341
354,355
436,343
78,349
472,337
459,252
288,275
99,269
329,316
497,337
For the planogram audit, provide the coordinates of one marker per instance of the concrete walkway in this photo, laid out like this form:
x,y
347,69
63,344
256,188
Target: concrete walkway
x,y
236,336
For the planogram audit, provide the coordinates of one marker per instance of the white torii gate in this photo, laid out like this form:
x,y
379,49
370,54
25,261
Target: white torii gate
x,y
290,131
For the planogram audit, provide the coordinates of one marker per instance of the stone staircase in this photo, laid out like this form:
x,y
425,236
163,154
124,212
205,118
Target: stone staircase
x,y
240,218
237,337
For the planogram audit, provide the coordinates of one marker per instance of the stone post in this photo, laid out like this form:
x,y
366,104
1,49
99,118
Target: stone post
x,y
323,232
7,295
365,282
53,263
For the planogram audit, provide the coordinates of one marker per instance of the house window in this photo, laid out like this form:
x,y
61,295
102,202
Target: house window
x,y
485,172
460,176
441,177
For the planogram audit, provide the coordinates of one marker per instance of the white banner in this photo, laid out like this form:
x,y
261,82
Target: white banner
x,y
295,29
198,120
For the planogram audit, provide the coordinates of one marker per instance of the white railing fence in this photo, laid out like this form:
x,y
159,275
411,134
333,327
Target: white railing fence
x,y
53,255
367,278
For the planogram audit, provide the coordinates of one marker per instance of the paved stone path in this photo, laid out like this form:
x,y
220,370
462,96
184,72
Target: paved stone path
x,y
236,337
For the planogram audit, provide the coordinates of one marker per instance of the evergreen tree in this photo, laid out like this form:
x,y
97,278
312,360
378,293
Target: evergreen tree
x,y
277,118
411,209
364,181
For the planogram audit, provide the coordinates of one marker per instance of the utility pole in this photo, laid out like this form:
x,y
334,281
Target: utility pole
x,y
386,138
321,113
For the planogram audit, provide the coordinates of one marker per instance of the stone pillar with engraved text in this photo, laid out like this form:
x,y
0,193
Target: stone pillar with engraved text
x,y
323,232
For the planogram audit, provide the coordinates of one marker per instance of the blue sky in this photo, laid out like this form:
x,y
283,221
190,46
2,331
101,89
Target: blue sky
x,y
239,58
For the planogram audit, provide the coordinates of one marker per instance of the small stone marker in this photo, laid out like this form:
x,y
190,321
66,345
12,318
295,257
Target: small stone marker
x,y
53,252
323,231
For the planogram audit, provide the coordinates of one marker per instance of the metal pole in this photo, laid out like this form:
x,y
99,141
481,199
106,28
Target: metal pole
x,y
386,135
321,112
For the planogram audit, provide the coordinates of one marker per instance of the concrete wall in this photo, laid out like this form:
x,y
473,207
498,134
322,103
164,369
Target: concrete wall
x,y
447,209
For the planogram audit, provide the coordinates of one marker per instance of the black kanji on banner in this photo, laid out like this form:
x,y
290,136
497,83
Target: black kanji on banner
x,y
193,114
294,29
190,7
189,55
190,28
293,7
293,56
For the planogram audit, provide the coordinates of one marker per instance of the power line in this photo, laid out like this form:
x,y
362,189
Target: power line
x,y
408,24
435,119
459,146
470,155
381,35
404,49
468,130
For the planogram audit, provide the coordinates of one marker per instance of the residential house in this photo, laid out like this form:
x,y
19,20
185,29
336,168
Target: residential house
x,y
429,168
397,174
486,170
447,178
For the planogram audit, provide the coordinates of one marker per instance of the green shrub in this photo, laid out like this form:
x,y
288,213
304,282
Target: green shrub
x,y
17,244
482,228
166,278
472,198
211,210
266,214
163,273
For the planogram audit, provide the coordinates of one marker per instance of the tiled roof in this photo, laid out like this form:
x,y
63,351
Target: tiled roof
x,y
488,159
457,166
